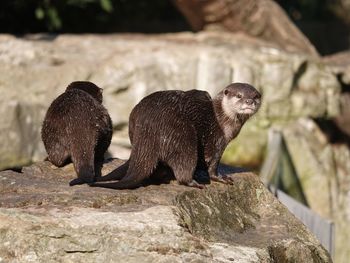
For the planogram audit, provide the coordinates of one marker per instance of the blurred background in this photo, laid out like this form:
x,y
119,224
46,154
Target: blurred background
x,y
297,53
324,22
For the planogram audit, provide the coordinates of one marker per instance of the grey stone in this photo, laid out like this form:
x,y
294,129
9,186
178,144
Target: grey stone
x,y
323,170
42,219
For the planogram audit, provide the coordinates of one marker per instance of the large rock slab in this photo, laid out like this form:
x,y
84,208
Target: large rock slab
x,y
323,171
35,69
42,219
340,65
260,18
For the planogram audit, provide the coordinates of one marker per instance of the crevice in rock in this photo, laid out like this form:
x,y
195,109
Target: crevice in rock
x,y
120,90
17,169
120,126
345,87
334,134
80,251
56,237
300,72
337,130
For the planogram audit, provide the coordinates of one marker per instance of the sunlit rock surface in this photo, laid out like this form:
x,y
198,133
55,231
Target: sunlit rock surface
x,y
42,219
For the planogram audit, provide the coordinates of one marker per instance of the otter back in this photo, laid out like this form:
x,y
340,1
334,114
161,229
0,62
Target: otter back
x,y
77,128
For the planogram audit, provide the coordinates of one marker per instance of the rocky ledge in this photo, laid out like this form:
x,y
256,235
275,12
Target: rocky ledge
x,y
42,219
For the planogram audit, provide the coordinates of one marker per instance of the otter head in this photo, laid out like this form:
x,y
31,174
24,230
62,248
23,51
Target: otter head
x,y
240,99
88,87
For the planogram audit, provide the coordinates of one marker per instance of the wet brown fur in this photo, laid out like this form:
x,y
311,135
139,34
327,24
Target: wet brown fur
x,y
78,128
182,130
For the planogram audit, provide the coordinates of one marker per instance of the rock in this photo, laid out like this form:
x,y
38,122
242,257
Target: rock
x,y
22,142
343,119
259,18
42,219
323,170
305,141
341,10
36,69
339,64
248,149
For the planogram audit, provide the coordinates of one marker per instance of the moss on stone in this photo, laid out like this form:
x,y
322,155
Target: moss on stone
x,y
247,149
217,215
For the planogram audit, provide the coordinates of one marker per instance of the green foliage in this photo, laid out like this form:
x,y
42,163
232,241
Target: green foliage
x,y
106,5
48,11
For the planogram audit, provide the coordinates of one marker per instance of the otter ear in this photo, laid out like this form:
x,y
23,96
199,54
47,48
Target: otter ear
x,y
225,92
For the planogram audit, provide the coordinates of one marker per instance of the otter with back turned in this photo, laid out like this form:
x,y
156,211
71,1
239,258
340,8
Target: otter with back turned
x,y
78,128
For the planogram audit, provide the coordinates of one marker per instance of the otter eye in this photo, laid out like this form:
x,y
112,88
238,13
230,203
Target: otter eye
x,y
239,95
226,92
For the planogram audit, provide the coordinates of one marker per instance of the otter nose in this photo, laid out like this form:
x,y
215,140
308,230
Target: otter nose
x,y
249,101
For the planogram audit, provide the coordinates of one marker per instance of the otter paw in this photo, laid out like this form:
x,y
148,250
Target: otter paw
x,y
196,185
201,176
225,179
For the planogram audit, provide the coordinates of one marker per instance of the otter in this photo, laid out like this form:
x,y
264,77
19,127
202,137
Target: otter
x,y
186,131
78,128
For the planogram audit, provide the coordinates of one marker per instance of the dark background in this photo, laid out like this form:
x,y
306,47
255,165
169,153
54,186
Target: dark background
x,y
324,22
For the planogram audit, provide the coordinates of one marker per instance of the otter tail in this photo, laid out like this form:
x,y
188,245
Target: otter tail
x,y
85,173
123,184
116,174
84,165
134,177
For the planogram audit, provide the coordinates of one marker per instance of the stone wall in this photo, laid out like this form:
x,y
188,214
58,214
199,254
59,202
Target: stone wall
x,y
35,69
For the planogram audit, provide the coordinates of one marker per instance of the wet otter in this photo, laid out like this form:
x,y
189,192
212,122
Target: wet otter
x,y
78,128
186,131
